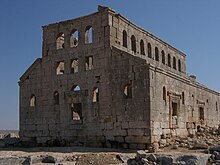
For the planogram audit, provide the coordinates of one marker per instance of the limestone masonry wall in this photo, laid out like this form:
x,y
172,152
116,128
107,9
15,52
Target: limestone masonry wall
x,y
103,81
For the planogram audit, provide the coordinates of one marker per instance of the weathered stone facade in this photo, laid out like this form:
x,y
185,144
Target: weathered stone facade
x,y
104,81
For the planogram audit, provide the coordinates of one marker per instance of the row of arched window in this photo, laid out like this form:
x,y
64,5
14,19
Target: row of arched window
x,y
149,52
74,38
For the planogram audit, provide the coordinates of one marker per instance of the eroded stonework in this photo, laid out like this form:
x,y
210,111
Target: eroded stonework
x,y
104,81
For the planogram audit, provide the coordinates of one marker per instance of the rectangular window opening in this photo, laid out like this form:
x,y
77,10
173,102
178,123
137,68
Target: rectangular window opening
x,y
76,109
89,63
75,66
60,68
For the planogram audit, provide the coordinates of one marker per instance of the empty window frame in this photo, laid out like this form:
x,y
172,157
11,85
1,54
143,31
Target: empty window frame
x,y
60,68
133,43
89,62
74,38
56,98
76,109
142,47
174,109
201,114
163,57
169,60
75,66
164,93
60,41
128,91
33,101
75,88
179,65
174,62
149,50
156,54
95,97
88,34
216,106
125,36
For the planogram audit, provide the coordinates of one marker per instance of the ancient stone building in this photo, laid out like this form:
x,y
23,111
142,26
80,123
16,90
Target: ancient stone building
x,y
104,81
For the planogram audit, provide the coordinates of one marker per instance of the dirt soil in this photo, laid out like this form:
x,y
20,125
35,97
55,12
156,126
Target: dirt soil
x,y
84,155
74,155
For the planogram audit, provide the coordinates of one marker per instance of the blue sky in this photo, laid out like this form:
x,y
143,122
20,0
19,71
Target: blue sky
x,y
191,26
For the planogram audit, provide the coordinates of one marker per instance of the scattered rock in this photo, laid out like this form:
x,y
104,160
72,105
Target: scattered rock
x,y
2,143
198,145
140,154
152,158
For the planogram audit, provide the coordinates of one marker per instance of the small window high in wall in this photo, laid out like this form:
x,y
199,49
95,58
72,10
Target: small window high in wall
x,y
88,34
95,97
125,36
133,43
163,57
89,62
169,60
60,68
75,88
74,66
74,38
183,98
128,91
174,62
142,47
164,93
156,54
60,41
33,101
179,65
56,98
149,50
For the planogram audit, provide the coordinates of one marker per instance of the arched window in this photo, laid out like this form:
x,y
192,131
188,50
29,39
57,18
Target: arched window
x,y
133,43
75,88
142,47
56,97
174,62
163,57
156,54
183,98
60,41
88,34
149,50
169,60
128,91
179,65
74,38
164,93
125,38
95,97
33,101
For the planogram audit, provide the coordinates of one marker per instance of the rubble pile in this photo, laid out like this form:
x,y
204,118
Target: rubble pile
x,y
144,158
10,140
203,138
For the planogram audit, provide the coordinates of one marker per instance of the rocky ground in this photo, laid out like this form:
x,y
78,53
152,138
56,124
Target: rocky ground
x,y
201,148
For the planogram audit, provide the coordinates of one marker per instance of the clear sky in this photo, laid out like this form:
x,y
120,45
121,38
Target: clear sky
x,y
192,26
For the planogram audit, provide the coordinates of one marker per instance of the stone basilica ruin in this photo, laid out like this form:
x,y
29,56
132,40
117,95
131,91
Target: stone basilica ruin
x,y
104,81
